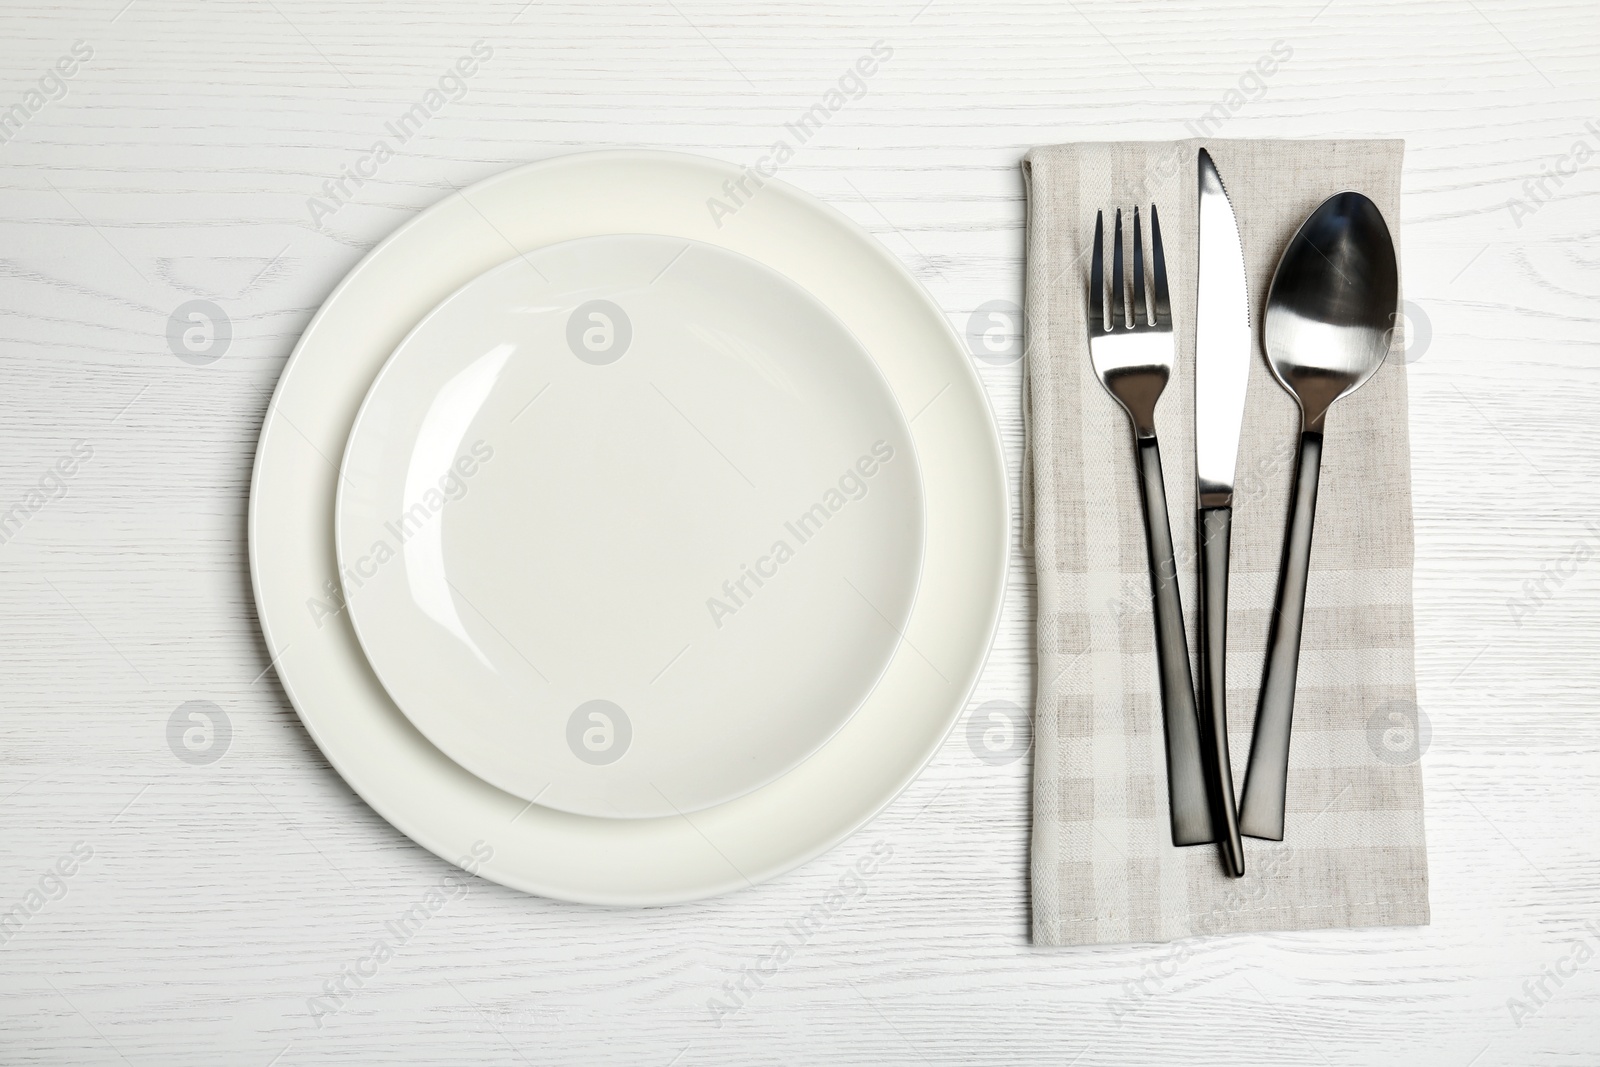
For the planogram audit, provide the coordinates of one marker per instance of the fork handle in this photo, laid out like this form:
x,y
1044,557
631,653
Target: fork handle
x,y
1186,784
1267,776
1216,527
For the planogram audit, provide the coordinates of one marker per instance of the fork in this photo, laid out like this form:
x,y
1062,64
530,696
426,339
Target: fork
x,y
1134,356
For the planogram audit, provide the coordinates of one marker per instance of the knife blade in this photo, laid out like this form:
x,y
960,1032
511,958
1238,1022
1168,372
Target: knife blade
x,y
1222,342
1221,377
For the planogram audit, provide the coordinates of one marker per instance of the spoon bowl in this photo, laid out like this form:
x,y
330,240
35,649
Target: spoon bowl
x,y
1328,328
1331,306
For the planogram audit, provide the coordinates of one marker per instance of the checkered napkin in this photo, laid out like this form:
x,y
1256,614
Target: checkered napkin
x,y
1104,867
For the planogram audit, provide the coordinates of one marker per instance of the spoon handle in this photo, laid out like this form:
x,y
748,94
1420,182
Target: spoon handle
x,y
1216,526
1266,778
1189,804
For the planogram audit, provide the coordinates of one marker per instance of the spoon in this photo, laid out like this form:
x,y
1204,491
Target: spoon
x,y
1330,318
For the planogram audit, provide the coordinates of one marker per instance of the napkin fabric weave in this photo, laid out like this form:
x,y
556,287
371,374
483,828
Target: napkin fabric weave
x,y
1103,865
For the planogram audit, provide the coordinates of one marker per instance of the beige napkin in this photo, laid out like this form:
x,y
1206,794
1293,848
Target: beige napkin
x,y
1104,868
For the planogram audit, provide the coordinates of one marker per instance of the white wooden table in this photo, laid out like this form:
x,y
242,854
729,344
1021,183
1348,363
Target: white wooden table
x,y
209,902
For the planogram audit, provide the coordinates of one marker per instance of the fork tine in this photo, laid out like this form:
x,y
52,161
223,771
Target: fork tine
x,y
1163,308
1097,278
1141,311
1119,305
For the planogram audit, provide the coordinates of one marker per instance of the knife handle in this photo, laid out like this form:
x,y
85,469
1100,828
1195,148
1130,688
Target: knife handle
x,y
1266,778
1216,525
1187,795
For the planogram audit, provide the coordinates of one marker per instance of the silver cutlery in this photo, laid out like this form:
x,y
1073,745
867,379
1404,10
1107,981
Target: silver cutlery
x,y
1222,374
1330,310
1133,354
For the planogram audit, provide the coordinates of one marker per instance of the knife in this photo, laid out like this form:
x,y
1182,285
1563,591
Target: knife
x,y
1221,374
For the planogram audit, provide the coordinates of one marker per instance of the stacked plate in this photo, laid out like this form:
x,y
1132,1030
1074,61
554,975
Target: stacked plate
x,y
622,549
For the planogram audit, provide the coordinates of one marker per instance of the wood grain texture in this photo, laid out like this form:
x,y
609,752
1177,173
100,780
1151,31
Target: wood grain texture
x,y
220,897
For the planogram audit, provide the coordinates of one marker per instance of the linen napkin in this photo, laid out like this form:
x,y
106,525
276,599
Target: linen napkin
x,y
1104,867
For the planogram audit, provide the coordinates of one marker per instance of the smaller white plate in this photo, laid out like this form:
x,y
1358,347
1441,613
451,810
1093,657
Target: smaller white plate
x,y
629,526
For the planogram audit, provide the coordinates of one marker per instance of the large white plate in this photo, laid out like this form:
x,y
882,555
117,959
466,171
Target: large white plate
x,y
459,816
629,525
